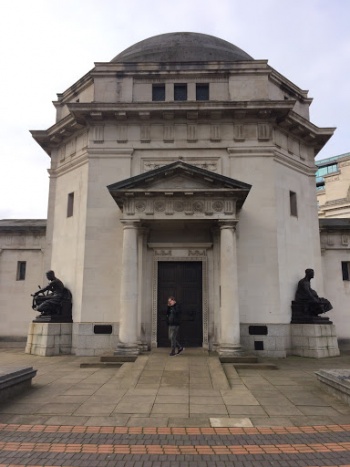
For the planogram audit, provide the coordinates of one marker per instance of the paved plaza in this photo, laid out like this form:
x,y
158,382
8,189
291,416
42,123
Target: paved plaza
x,y
187,410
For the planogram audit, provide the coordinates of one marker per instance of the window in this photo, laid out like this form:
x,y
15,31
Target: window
x,y
293,204
345,266
158,92
70,204
180,92
202,92
21,270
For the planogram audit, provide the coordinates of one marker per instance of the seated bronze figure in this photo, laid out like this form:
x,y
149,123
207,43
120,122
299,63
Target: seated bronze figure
x,y
307,305
53,301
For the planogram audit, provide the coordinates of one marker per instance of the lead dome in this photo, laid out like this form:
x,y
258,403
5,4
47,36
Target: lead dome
x,y
182,47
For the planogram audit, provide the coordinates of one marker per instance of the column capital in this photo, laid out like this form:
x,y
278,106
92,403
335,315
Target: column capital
x,y
130,224
228,224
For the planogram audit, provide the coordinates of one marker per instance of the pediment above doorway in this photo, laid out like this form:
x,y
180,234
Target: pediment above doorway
x,y
179,190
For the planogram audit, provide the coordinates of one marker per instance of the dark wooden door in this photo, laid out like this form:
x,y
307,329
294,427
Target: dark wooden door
x,y
183,280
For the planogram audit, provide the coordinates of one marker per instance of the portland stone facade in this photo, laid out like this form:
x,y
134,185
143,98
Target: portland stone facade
x,y
183,167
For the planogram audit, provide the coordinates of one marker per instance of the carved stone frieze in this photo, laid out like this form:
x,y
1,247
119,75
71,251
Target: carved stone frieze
x,y
197,252
163,252
211,165
170,206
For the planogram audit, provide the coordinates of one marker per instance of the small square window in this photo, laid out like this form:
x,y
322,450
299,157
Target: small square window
x,y
21,270
158,92
202,92
345,266
180,92
70,204
293,204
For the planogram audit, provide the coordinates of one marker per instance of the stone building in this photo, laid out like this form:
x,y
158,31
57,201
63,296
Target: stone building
x,y
333,187
183,167
22,246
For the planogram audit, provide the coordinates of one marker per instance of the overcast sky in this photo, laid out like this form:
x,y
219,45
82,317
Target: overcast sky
x,y
47,45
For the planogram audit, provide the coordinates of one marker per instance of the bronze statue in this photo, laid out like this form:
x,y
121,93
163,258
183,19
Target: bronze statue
x,y
53,301
307,305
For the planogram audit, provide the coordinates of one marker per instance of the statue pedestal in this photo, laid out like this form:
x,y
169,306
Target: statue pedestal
x,y
48,339
314,340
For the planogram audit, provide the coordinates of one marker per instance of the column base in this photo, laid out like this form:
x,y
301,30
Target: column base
x,y
127,349
230,350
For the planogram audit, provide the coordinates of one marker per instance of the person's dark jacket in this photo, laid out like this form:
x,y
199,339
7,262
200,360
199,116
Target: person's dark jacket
x,y
174,315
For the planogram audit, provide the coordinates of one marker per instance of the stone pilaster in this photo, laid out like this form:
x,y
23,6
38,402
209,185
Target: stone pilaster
x,y
229,311
128,327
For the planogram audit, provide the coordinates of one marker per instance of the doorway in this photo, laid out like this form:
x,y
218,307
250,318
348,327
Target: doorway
x,y
183,280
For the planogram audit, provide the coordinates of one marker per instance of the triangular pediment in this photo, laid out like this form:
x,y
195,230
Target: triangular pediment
x,y
179,179
179,175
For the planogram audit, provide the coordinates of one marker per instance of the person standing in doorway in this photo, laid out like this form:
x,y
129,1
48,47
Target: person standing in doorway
x,y
173,318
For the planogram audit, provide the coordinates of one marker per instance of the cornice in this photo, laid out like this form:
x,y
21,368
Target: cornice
x,y
141,68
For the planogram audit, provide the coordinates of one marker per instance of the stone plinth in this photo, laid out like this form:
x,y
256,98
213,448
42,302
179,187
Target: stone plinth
x,y
314,340
336,382
48,339
15,380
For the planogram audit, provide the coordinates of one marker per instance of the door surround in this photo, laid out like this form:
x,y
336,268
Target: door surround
x,y
196,252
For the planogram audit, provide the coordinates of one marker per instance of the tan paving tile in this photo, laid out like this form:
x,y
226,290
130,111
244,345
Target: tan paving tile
x,y
205,400
313,410
208,408
246,410
178,399
176,409
281,410
132,408
95,409
13,407
62,409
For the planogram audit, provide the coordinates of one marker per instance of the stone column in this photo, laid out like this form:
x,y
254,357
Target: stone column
x,y
128,321
229,312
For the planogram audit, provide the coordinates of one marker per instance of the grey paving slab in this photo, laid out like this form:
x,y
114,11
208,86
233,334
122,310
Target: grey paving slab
x,y
247,410
54,408
170,409
278,410
95,409
205,400
189,422
201,387
19,408
208,408
133,408
178,399
313,410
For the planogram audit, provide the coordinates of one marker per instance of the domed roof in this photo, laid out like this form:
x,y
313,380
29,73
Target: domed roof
x,y
182,47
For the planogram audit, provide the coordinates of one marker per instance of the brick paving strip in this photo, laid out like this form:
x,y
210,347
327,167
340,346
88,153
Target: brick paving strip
x,y
75,446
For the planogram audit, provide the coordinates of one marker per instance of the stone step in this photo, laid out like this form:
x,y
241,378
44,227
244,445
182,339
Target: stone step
x,y
101,364
239,359
111,358
255,366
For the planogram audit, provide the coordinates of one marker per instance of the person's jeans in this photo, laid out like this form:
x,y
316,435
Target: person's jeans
x,y
173,332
